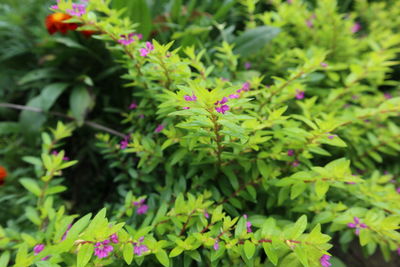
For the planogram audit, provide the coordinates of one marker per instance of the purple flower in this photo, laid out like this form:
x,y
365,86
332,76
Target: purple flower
x,y
324,65
247,65
103,249
245,216
233,96
66,232
139,248
159,128
290,152
356,27
398,251
141,206
141,116
124,143
289,1
222,109
186,107
245,88
133,105
387,95
114,238
248,226
216,245
331,136
324,260
190,98
357,225
55,153
145,51
398,190
310,23
55,6
130,38
38,248
77,10
299,94
295,163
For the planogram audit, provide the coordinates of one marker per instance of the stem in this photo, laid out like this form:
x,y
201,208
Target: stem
x,y
89,123
218,139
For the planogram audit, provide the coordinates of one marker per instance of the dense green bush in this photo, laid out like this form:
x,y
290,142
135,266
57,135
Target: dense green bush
x,y
258,131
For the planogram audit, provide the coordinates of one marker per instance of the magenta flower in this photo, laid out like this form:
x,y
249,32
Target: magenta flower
x,y
387,95
190,98
357,225
331,136
206,214
186,107
222,109
103,249
324,65
141,206
248,226
133,105
290,152
310,23
145,51
233,96
245,88
398,190
130,38
356,27
124,143
398,251
295,163
247,65
114,238
38,248
159,128
324,260
55,6
77,10
139,248
299,94
66,232
216,245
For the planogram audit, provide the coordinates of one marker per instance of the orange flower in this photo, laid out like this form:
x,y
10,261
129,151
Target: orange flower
x,y
54,23
3,175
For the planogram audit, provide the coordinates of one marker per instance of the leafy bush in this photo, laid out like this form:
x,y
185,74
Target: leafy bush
x,y
254,148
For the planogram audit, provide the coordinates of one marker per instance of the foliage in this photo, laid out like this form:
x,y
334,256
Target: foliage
x,y
223,162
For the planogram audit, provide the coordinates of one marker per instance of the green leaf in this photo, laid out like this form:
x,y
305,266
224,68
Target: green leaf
x,y
31,185
162,257
321,187
84,254
253,40
249,249
297,189
78,227
263,168
271,253
301,254
128,253
80,103
4,259
175,252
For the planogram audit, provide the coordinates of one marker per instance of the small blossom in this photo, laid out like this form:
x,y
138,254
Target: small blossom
x,y
141,206
124,143
206,214
114,238
245,87
245,216
77,10
247,65
331,136
190,98
55,23
103,249
186,107
295,163
290,152
222,109
324,65
398,251
133,105
310,23
299,94
398,190
159,128
55,153
139,248
38,248
145,51
357,225
141,116
356,27
324,260
233,96
387,95
129,38
216,245
248,226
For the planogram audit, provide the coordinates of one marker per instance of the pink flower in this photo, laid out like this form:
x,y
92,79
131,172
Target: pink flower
x,y
248,226
55,153
133,105
159,128
309,23
141,206
295,163
387,95
103,249
186,107
299,94
139,248
114,238
398,190
324,260
245,88
38,248
206,214
290,152
398,251
145,51
222,109
190,98
357,225
324,65
356,27
247,65
124,143
216,245
77,10
232,96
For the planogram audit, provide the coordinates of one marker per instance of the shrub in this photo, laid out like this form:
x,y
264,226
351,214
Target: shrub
x,y
255,151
